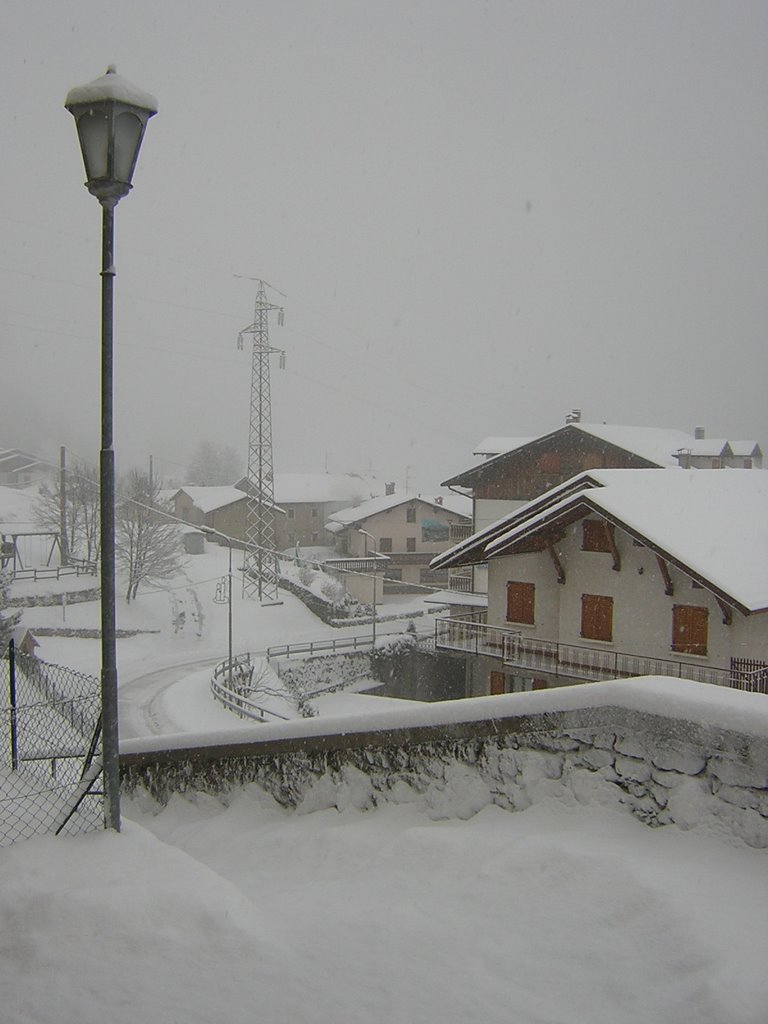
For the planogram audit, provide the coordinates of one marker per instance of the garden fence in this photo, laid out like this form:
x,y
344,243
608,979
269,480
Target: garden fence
x,y
50,751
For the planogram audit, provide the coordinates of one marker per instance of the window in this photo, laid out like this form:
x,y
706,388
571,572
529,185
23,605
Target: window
x,y
747,463
385,544
520,602
410,515
596,617
689,629
315,538
291,513
315,513
410,543
596,535
291,538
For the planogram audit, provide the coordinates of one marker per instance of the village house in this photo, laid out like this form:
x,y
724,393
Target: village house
x,y
218,508
513,471
408,529
618,573
309,499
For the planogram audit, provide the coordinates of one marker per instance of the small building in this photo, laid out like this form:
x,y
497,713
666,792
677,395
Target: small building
x,y
408,529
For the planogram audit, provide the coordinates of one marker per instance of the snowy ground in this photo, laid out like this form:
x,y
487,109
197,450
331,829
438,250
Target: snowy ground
x,y
247,912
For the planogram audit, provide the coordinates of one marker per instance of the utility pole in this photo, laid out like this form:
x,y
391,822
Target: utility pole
x,y
260,576
63,539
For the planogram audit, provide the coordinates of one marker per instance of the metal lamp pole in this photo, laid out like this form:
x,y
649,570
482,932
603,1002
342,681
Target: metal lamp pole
x,y
111,116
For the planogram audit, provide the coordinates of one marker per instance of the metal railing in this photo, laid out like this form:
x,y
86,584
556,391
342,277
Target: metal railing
x,y
238,696
573,661
311,647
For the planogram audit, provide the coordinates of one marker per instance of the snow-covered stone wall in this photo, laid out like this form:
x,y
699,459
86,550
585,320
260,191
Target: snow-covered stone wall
x,y
663,768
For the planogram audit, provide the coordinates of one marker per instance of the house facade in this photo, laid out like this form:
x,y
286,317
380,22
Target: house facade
x,y
309,499
409,529
622,573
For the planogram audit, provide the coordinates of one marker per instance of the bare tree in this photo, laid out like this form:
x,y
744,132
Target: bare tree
x,y
147,543
82,510
213,465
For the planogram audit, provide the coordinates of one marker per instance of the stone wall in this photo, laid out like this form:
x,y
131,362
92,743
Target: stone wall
x,y
662,770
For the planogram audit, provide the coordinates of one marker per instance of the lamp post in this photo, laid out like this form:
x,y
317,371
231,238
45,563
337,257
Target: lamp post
x,y
209,530
111,116
368,537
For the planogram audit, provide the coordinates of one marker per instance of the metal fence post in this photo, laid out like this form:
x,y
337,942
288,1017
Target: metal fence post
x,y
12,683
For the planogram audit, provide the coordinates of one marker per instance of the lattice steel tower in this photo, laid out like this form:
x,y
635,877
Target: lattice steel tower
x,y
260,576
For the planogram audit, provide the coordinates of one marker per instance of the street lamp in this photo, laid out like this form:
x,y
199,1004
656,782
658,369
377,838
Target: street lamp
x,y
209,530
111,115
369,536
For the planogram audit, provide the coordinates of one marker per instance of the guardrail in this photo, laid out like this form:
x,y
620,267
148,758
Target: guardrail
x,y
236,697
320,646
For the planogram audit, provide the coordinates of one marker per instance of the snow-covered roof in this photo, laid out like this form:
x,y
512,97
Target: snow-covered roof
x,y
745,449
497,445
657,444
209,499
456,503
709,447
713,525
295,488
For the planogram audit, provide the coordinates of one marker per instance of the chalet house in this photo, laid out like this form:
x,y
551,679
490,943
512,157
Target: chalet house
x,y
618,573
409,529
516,470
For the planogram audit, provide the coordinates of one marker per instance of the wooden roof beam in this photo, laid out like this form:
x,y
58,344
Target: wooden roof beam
x,y
669,588
556,562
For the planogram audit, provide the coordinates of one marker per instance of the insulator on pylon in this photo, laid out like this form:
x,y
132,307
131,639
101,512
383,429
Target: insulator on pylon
x,y
282,360
240,342
280,318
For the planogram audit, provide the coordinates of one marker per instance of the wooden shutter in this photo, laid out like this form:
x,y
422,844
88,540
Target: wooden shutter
x,y
520,602
596,535
596,617
689,629
497,682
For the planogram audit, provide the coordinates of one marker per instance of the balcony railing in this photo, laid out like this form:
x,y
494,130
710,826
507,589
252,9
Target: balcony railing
x,y
572,661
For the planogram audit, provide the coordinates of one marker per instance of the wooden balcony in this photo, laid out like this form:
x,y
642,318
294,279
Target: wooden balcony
x,y
520,651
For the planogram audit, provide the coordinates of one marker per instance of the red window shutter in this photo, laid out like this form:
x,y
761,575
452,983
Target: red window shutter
x,y
520,602
497,682
689,629
595,535
596,617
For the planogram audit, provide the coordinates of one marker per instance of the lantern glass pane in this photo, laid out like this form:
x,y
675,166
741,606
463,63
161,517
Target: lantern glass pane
x,y
128,129
93,131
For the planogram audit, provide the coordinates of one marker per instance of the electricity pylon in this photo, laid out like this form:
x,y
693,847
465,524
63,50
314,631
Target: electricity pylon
x,y
260,576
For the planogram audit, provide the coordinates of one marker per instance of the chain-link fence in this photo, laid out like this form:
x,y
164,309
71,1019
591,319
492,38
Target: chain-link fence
x,y
50,751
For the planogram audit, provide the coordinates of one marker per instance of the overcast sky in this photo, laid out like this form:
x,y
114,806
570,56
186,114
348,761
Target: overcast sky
x,y
480,214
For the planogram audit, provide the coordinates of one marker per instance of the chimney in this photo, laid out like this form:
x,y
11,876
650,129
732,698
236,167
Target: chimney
x,y
438,500
389,488
574,416
698,433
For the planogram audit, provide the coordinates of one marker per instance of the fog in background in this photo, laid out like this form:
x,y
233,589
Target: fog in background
x,y
480,214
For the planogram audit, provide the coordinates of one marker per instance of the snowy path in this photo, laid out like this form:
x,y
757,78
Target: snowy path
x,y
144,705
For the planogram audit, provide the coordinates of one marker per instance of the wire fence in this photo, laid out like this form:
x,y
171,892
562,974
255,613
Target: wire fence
x,y
50,750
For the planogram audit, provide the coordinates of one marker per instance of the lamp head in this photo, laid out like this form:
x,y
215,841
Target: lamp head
x,y
111,115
